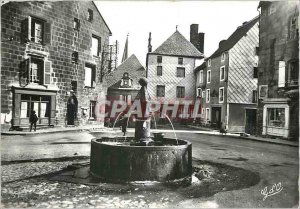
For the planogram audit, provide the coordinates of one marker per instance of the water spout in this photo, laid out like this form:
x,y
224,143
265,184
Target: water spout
x,y
117,120
172,127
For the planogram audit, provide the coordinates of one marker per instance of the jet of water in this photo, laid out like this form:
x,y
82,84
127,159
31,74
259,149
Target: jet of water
x,y
117,120
172,127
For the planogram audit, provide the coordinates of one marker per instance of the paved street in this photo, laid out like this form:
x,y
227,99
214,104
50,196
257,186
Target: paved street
x,y
274,163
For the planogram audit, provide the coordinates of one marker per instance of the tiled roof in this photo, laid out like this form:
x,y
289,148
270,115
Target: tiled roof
x,y
178,45
200,67
132,66
234,38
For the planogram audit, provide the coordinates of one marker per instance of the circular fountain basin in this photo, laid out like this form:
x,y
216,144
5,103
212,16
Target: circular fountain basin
x,y
115,160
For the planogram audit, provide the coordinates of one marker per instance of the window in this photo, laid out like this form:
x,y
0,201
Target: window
x,y
207,114
35,30
208,76
223,57
160,91
180,60
75,57
92,110
201,76
159,70
203,94
209,63
263,91
36,70
293,73
222,73
281,74
256,51
76,24
207,95
90,76
271,9
254,96
276,117
90,15
180,91
199,92
221,95
293,28
159,59
255,72
96,45
74,86
180,72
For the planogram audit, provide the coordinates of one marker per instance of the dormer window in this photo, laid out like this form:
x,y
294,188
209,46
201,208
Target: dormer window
x,y
126,82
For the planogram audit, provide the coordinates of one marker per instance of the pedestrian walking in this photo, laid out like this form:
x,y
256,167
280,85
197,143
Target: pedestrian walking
x,y
223,129
33,119
124,124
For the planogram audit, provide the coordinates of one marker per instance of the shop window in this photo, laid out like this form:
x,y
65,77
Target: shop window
x,y
180,92
41,105
90,76
160,91
159,70
276,117
35,30
96,45
180,72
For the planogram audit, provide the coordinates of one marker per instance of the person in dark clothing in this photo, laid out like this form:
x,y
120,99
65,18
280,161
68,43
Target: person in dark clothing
x,y
124,124
33,119
72,106
223,128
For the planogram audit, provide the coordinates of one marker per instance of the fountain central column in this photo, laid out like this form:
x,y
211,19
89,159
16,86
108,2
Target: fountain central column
x,y
143,120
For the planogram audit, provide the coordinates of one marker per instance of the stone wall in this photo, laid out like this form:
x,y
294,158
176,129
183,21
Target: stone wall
x,y
64,41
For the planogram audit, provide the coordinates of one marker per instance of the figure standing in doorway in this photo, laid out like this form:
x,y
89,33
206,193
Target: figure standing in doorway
x,y
33,119
72,106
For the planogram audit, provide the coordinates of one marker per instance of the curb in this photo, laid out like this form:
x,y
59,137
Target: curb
x,y
11,133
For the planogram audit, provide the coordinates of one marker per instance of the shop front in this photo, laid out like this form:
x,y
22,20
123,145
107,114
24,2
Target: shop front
x,y
26,100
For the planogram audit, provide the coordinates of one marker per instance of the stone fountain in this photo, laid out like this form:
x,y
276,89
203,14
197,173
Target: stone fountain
x,y
141,158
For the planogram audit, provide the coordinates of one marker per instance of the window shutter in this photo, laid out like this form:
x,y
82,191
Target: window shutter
x,y
24,31
99,46
93,77
17,110
47,33
281,74
47,72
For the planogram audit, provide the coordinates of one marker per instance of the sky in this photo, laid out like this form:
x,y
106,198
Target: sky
x,y
217,19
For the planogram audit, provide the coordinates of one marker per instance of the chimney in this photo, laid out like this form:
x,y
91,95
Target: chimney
x,y
221,43
197,39
149,43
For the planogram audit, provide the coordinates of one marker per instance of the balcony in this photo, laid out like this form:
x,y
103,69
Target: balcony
x,y
292,83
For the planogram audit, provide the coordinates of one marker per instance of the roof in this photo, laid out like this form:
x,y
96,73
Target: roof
x,y
234,38
178,45
132,66
263,3
200,67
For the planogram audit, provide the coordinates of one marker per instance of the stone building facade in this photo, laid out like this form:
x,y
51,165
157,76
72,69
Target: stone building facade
x,y
226,82
278,69
170,71
47,50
